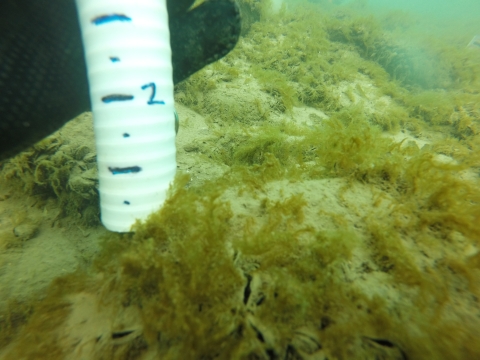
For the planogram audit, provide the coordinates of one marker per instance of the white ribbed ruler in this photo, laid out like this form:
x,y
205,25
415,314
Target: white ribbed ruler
x,y
128,57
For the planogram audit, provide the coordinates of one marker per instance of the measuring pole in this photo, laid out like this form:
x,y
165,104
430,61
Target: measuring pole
x,y
128,57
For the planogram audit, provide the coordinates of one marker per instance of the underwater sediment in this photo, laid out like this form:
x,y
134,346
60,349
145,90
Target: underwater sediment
x,y
326,206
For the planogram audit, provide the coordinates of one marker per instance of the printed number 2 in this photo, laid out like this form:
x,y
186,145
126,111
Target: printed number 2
x,y
152,100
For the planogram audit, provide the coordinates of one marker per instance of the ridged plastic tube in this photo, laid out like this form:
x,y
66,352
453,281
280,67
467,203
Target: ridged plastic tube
x,y
128,57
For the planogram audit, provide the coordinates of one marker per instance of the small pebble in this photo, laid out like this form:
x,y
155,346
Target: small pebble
x,y
25,231
190,148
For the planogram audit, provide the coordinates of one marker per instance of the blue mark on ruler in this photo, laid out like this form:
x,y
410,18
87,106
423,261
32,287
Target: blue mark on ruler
x,y
152,100
125,170
103,19
116,97
126,135
126,202
114,59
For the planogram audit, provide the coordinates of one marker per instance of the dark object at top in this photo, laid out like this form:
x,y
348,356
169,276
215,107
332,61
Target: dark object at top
x,y
43,80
